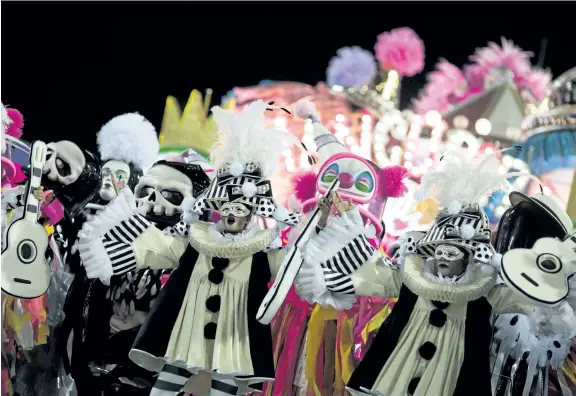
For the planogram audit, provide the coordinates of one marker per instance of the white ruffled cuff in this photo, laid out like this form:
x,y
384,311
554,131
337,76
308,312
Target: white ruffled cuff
x,y
105,242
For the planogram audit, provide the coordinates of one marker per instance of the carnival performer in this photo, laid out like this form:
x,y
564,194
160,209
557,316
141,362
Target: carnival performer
x,y
205,317
437,338
538,344
84,183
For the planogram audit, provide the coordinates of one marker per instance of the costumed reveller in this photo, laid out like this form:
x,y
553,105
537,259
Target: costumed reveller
x,y
84,183
205,317
437,339
367,185
536,345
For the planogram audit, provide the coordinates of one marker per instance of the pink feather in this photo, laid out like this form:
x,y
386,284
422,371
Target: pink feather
x,y
391,181
304,186
15,128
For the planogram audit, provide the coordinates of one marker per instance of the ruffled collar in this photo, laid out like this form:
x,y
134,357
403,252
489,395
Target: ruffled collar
x,y
211,240
466,277
475,287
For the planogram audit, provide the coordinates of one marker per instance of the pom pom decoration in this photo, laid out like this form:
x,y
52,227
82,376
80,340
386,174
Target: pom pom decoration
x,y
236,169
188,204
351,67
130,138
496,260
392,179
249,189
400,50
467,231
280,214
454,207
487,269
304,109
304,186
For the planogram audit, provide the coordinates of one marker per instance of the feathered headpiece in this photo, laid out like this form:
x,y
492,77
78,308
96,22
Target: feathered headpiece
x,y
455,183
130,138
243,139
6,121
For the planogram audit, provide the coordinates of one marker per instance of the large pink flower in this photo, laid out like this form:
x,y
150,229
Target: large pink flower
x,y
401,50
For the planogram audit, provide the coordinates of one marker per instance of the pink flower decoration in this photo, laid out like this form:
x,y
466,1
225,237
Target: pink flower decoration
x,y
401,50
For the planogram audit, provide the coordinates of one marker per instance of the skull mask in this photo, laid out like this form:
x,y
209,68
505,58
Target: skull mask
x,y
161,192
64,163
120,170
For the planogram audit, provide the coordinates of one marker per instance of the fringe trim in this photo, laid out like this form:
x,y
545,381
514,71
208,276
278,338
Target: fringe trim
x,y
414,279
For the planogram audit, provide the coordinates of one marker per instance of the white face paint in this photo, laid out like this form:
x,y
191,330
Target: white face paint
x,y
162,189
121,172
65,162
449,260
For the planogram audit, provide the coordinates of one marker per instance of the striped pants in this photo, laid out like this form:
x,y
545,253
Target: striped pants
x,y
172,379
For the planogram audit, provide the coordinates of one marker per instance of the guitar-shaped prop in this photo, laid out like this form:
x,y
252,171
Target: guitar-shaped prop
x,y
288,270
542,273
25,270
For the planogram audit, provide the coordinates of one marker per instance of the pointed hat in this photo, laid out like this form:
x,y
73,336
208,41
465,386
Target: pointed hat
x,y
327,144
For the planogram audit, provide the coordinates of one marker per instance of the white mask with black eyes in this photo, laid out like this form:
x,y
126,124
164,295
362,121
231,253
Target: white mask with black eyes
x,y
65,162
162,189
120,170
450,260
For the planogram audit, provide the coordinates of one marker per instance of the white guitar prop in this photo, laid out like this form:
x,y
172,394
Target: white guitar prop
x,y
25,270
542,273
288,270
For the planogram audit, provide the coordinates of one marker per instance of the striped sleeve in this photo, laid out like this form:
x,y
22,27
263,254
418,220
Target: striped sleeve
x,y
339,268
118,243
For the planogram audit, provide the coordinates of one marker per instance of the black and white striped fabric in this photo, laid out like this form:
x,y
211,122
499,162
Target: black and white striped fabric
x,y
118,243
217,193
338,269
447,228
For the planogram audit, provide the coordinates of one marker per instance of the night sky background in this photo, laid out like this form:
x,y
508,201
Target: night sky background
x,y
70,66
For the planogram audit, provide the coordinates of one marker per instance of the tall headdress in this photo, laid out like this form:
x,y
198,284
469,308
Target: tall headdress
x,y
244,156
459,187
130,138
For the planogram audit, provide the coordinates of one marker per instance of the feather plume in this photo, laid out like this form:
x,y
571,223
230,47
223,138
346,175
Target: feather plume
x,y
130,138
455,180
243,137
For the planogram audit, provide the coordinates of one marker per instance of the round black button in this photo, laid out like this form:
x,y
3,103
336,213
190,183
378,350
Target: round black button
x,y
514,320
437,318
210,331
427,350
213,303
215,276
220,263
440,304
557,344
413,385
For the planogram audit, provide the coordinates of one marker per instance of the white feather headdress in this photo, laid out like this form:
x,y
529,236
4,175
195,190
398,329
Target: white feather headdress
x,y
243,138
130,138
6,121
455,183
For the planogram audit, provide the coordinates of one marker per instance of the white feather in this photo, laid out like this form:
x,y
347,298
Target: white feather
x,y
454,179
6,121
130,138
243,137
304,109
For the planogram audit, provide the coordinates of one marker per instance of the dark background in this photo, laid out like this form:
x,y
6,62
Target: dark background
x,y
70,66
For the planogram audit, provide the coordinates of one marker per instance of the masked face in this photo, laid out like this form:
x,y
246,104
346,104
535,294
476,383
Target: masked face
x,y
235,217
121,172
450,260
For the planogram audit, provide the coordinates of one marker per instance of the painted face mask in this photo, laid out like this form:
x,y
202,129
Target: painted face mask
x,y
235,216
121,172
450,260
